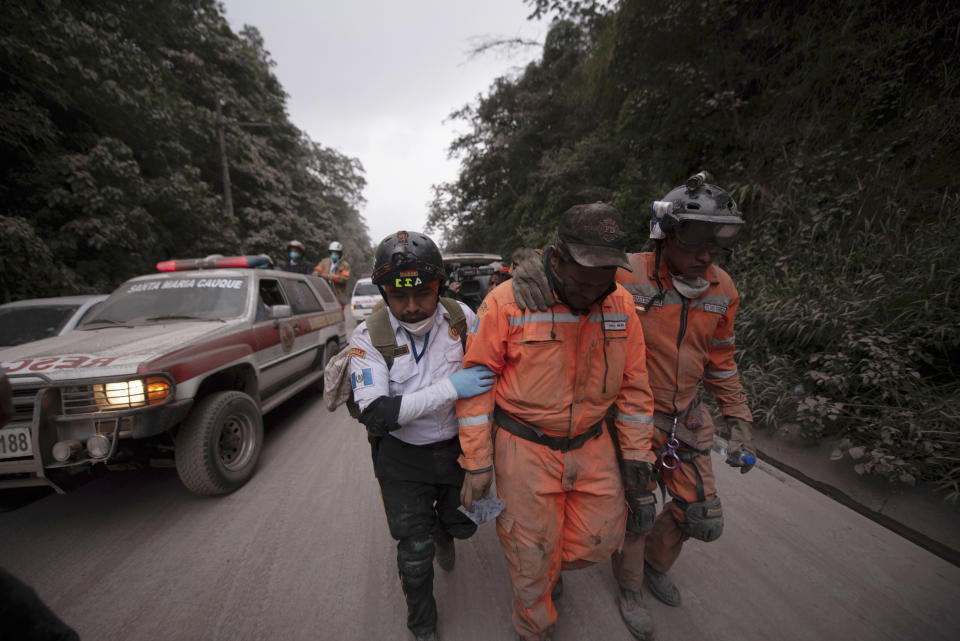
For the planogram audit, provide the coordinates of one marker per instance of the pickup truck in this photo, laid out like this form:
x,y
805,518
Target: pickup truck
x,y
188,359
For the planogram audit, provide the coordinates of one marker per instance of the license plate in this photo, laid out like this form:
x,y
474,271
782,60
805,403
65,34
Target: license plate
x,y
15,442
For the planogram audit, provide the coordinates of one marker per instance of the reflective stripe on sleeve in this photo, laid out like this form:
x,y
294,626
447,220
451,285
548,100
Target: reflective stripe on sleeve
x,y
634,418
728,341
467,421
543,318
721,374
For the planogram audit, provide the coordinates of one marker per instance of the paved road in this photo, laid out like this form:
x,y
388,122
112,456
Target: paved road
x,y
302,552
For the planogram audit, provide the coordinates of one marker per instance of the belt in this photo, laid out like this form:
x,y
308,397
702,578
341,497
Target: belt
x,y
685,432
534,434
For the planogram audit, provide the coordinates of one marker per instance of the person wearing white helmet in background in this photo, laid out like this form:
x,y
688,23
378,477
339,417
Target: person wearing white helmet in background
x,y
336,270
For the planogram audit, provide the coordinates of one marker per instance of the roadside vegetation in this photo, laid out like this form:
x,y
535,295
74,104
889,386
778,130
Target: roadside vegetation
x,y
111,155
837,127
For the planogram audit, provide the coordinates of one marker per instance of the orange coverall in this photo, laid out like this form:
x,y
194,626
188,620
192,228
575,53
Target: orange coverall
x,y
676,364
339,277
560,372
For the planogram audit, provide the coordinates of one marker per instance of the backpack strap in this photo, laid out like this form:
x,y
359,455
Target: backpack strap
x,y
458,320
382,335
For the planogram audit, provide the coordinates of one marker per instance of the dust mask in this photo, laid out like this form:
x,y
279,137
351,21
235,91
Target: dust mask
x,y
690,287
420,328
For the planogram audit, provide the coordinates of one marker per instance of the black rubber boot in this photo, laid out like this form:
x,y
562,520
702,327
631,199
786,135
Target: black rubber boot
x,y
425,636
661,586
636,615
446,552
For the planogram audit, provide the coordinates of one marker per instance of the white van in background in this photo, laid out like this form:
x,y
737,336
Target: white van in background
x,y
365,296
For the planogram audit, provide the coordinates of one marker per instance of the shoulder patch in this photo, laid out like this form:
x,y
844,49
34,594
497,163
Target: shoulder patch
x,y
362,379
358,352
483,308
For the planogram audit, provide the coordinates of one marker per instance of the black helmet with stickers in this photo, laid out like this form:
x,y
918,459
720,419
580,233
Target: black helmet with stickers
x,y
696,213
407,259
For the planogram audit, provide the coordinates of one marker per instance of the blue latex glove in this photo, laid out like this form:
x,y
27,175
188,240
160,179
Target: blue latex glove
x,y
472,381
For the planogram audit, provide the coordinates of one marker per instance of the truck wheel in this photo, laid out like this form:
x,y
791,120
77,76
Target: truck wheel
x,y
219,443
330,349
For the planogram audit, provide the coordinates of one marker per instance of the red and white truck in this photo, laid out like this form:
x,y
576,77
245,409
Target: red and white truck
x,y
189,358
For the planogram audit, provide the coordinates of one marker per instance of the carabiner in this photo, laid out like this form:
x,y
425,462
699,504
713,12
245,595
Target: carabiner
x,y
672,445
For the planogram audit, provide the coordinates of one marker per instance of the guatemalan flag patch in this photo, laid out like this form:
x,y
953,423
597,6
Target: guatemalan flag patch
x,y
362,378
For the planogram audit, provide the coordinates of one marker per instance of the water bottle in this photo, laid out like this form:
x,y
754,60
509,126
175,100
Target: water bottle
x,y
740,457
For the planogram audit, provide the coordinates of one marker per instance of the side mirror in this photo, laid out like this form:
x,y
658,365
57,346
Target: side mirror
x,y
281,311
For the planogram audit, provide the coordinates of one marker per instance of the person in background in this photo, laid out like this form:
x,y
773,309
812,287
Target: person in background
x,y
687,306
407,406
336,270
295,262
541,428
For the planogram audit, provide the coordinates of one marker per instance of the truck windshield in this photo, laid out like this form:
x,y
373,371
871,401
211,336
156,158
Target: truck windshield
x,y
160,299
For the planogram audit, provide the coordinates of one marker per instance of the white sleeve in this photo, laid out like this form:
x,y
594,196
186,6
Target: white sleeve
x,y
369,376
426,400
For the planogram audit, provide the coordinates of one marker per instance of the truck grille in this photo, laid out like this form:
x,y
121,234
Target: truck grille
x,y
23,399
79,399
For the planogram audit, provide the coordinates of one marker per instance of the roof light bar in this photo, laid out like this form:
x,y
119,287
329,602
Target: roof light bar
x,y
212,262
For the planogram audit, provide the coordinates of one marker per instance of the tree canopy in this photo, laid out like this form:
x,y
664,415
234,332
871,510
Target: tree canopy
x,y
111,159
835,124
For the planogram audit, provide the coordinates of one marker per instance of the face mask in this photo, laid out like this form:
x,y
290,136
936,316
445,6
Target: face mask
x,y
690,287
334,256
421,328
294,255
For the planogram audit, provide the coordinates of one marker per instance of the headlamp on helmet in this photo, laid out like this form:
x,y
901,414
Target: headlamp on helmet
x,y
697,213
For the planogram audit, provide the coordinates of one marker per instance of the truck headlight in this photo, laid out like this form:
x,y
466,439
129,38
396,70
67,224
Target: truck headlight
x,y
136,392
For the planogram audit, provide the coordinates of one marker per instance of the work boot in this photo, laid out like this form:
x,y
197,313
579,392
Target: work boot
x,y
425,636
445,551
557,590
661,586
635,614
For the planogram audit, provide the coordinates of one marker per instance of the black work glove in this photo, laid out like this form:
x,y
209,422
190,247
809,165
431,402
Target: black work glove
x,y
641,502
380,417
642,508
636,475
530,287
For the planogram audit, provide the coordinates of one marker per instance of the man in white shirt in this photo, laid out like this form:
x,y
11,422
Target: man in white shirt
x,y
407,406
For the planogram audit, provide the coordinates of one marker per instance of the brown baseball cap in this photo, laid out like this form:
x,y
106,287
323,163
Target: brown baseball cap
x,y
595,235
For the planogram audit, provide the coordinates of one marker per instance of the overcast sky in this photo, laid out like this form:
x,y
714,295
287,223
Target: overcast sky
x,y
376,79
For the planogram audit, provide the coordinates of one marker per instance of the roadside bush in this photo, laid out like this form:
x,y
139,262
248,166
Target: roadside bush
x,y
850,330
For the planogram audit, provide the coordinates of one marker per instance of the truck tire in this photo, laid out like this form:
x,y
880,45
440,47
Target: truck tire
x,y
219,443
330,349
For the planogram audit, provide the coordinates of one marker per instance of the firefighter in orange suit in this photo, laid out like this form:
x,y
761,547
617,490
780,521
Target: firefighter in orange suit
x,y
541,428
336,270
687,307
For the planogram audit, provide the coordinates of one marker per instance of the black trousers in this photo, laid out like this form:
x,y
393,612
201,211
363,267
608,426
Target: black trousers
x,y
420,486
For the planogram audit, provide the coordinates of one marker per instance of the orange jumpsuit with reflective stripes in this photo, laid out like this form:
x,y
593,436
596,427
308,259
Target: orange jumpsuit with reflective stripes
x,y
688,341
338,278
559,371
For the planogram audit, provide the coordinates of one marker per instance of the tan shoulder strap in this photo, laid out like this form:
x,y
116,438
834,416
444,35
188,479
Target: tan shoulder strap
x,y
458,320
382,335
